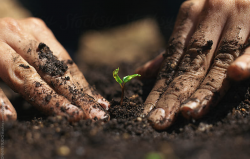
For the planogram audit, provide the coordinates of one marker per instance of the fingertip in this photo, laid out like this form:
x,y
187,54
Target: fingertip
x,y
151,68
104,103
7,111
147,108
105,118
141,71
187,112
158,119
98,113
237,71
74,113
192,110
8,116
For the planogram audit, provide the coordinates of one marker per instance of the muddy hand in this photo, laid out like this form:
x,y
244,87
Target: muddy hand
x,y
44,75
208,36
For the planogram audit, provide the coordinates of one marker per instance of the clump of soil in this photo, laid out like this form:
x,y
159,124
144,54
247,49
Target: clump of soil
x,y
52,65
130,108
223,133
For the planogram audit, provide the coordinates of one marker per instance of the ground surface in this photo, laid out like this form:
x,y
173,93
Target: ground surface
x,y
223,133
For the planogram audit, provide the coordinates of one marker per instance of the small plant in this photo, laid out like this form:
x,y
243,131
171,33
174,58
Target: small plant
x,y
123,81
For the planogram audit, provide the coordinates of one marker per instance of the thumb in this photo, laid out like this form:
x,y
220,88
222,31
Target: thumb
x,y
151,68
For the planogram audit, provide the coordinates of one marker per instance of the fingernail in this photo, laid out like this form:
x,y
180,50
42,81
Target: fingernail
x,y
98,114
6,113
157,115
105,104
74,112
191,104
188,108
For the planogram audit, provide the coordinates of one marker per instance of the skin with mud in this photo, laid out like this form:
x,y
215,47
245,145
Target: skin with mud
x,y
201,59
49,81
54,72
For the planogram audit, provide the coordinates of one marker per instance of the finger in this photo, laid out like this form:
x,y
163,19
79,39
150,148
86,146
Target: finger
x,y
43,34
216,83
52,70
8,112
24,79
151,68
192,69
56,74
184,28
239,69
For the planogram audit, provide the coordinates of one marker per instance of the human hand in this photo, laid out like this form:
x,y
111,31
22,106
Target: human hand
x,y
201,57
48,80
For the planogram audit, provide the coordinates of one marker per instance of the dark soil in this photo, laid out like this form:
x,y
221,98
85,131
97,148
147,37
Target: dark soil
x,y
52,66
223,133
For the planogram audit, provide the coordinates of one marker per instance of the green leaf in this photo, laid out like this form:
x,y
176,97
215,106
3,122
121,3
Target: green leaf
x,y
130,77
115,75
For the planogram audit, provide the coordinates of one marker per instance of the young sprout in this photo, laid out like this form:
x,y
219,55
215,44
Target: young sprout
x,y
123,81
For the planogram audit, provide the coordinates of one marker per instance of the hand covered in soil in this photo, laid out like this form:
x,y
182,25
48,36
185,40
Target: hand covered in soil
x,y
201,57
50,81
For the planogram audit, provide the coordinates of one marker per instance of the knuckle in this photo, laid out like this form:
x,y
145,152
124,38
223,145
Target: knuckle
x,y
217,4
197,42
223,60
38,23
242,4
210,86
189,8
11,24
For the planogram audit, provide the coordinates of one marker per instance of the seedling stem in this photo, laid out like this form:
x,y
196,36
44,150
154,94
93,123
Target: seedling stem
x,y
123,81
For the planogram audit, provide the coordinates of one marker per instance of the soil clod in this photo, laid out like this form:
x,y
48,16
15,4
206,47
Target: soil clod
x,y
24,66
52,65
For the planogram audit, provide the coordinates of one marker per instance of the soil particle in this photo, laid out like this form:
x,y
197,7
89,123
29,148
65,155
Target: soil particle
x,y
63,151
51,65
24,66
70,62
47,98
38,84
230,46
67,78
208,46
63,109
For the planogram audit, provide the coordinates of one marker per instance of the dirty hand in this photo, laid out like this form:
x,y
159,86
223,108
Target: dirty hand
x,y
202,55
44,75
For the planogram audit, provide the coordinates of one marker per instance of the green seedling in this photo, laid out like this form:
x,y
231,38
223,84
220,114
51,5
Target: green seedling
x,y
123,81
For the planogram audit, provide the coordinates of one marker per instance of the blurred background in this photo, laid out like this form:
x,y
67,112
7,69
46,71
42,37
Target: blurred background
x,y
95,31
